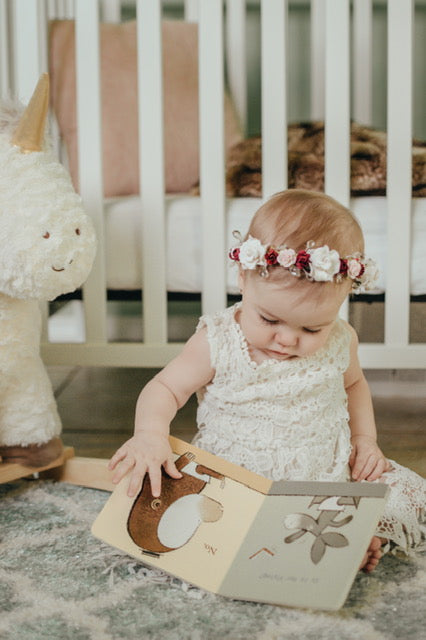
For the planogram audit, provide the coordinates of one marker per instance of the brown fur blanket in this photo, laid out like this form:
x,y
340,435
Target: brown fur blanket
x,y
306,162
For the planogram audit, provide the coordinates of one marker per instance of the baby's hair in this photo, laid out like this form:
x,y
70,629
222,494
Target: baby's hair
x,y
296,217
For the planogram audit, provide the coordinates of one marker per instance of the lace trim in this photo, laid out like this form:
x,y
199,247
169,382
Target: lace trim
x,y
404,519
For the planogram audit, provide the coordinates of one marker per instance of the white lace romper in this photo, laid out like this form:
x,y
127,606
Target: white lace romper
x,y
289,420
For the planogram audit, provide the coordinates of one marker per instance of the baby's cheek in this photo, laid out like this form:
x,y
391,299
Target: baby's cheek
x,y
314,342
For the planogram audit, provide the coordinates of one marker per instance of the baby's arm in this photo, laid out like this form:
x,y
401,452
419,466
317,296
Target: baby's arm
x,y
149,449
367,461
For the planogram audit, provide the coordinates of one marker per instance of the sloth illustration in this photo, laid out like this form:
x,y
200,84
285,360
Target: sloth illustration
x,y
158,525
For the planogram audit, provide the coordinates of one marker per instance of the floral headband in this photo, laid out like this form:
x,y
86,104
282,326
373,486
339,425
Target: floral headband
x,y
319,264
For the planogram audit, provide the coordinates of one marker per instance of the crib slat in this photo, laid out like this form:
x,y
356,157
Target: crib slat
x,y
28,62
5,84
90,158
363,58
400,27
212,154
51,9
317,59
337,109
274,95
69,9
191,10
151,172
111,11
43,36
236,56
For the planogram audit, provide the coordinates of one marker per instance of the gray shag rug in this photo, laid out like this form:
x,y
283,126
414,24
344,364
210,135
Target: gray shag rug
x,y
58,582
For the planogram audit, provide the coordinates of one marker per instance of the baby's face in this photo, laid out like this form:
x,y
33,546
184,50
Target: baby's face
x,y
279,323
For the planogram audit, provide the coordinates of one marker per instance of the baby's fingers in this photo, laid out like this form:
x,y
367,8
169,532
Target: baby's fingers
x,y
363,468
380,467
136,480
155,479
171,469
119,455
125,465
357,467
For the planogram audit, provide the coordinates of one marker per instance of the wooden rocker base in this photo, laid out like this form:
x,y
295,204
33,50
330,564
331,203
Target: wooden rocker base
x,y
10,471
92,473
85,472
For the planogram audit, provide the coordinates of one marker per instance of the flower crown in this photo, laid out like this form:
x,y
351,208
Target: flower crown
x,y
318,264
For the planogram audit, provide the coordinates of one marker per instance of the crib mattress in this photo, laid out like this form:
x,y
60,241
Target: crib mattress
x,y
184,243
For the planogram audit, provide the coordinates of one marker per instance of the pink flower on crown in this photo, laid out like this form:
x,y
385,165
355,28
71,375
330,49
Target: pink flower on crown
x,y
286,258
355,268
252,253
325,264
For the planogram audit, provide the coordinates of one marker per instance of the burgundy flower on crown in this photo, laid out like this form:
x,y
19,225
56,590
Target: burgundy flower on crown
x,y
302,260
271,256
234,253
343,266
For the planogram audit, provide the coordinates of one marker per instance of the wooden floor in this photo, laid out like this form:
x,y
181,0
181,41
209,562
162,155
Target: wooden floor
x,y
97,409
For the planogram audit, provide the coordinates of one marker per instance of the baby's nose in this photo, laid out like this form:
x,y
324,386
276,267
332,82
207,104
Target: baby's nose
x,y
286,337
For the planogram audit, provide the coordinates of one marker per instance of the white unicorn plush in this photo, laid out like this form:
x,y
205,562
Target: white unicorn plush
x,y
47,247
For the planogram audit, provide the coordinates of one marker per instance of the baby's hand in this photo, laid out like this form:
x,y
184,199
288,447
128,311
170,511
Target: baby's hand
x,y
367,461
145,452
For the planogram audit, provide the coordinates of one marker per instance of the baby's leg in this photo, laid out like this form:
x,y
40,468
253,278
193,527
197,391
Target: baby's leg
x,y
373,554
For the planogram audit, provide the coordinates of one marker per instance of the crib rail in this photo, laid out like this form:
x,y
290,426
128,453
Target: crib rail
x,y
222,28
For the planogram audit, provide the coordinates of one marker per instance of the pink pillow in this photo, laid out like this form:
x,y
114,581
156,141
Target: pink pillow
x,y
119,103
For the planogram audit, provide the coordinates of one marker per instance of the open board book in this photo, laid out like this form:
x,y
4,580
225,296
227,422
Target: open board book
x,y
237,534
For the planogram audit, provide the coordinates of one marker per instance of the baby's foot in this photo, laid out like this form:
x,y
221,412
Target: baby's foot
x,y
372,555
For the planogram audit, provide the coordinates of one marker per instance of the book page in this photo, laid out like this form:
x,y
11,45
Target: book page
x,y
305,550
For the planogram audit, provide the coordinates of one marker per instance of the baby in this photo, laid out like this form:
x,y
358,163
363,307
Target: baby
x,y
279,384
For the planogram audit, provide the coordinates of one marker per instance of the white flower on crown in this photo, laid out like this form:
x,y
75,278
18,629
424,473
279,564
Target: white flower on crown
x,y
324,264
370,276
252,253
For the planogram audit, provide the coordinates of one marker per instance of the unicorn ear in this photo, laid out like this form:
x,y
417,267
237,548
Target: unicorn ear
x,y
30,130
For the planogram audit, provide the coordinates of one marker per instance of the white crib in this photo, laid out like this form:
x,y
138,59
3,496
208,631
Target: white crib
x,y
23,25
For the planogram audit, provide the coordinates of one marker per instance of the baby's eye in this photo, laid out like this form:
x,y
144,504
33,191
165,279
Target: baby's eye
x,y
78,231
268,320
311,330
46,235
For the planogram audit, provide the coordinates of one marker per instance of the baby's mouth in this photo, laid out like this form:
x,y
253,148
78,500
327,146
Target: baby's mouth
x,y
280,354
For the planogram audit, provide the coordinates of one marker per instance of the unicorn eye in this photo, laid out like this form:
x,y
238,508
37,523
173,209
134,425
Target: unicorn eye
x,y
78,231
46,235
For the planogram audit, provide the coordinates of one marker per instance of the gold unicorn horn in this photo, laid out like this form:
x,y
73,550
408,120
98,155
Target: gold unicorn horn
x,y
30,130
